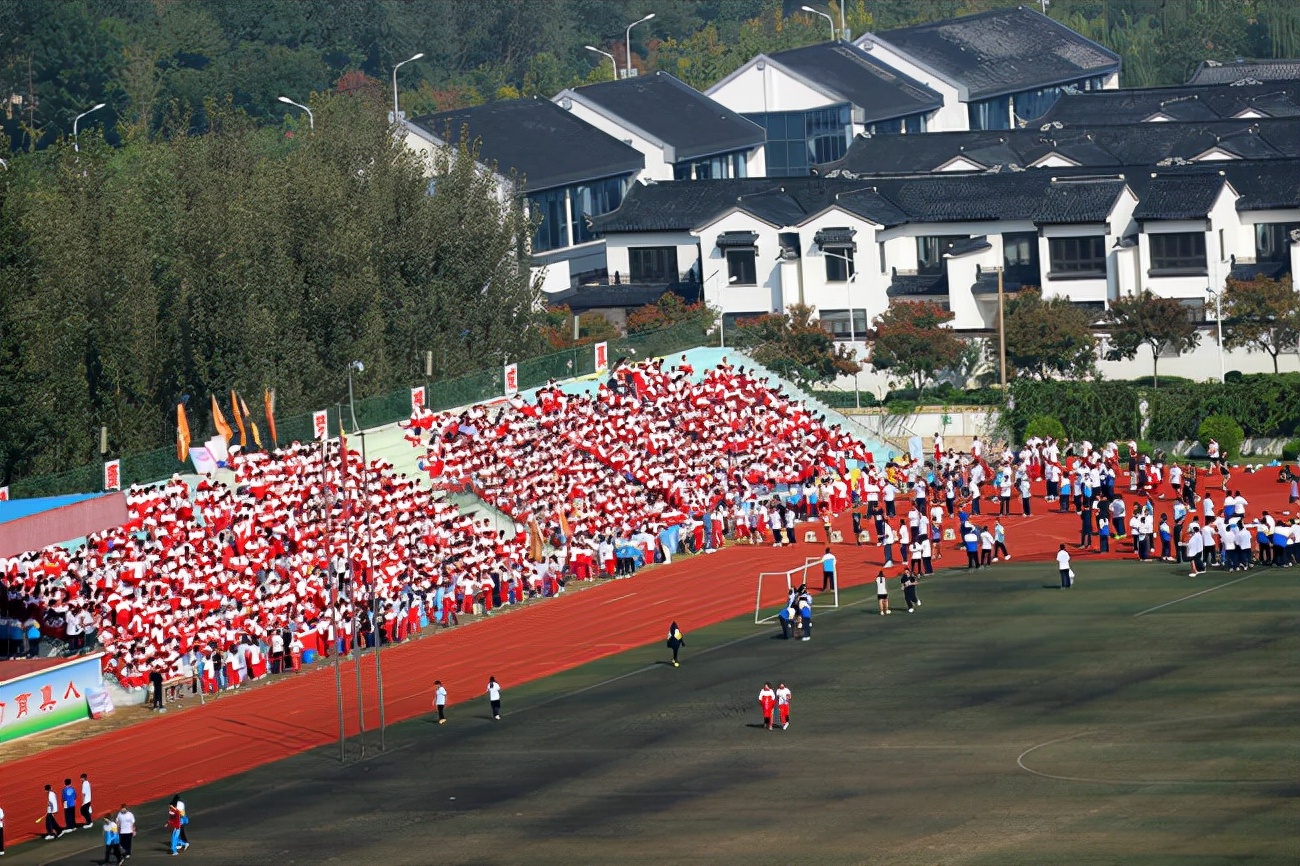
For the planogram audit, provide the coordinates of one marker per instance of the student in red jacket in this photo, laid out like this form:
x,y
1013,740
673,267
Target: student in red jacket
x,y
767,701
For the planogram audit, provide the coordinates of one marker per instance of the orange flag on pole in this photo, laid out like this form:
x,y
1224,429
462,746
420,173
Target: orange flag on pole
x,y
239,419
219,420
268,402
252,425
182,434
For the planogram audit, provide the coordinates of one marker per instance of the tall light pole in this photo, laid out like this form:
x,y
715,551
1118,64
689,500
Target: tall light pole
x,y
311,118
829,19
722,322
612,58
628,44
1218,321
352,406
848,297
411,59
76,145
1002,332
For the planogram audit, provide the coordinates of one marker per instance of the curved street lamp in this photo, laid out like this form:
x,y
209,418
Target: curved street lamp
x,y
410,59
628,43
611,57
311,118
76,146
829,19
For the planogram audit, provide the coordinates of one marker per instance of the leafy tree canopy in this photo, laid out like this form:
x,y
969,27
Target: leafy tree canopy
x,y
793,344
1048,338
1151,322
1262,315
911,340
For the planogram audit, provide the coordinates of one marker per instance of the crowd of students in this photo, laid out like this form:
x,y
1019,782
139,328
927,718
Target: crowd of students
x,y
310,550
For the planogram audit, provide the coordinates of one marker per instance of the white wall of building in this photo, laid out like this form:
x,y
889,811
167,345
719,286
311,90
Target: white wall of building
x,y
770,293
618,245
952,116
751,90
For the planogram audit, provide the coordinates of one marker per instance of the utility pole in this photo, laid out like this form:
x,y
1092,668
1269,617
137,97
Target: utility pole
x,y
1002,332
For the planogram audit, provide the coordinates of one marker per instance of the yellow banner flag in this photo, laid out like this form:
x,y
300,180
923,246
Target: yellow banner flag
x,y
239,418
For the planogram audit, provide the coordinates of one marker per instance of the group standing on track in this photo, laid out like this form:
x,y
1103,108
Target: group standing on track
x,y
775,704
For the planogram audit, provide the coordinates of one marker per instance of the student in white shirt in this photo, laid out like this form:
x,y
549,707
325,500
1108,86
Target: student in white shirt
x,y
882,594
1063,563
494,697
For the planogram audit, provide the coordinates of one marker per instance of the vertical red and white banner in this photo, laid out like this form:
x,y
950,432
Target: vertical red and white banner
x,y
512,379
4,494
320,424
113,475
602,357
417,399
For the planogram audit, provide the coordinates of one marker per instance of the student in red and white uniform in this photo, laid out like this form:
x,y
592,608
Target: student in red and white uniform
x,y
783,705
767,702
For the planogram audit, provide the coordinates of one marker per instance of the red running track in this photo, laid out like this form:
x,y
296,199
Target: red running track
x,y
170,753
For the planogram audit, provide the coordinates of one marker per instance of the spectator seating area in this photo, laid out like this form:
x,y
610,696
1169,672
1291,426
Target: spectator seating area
x,y
215,581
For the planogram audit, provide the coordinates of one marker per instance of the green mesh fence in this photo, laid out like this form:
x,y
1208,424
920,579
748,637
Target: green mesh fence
x,y
148,466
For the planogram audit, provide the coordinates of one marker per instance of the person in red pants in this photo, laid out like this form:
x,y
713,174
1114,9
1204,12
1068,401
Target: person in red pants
x,y
783,705
767,701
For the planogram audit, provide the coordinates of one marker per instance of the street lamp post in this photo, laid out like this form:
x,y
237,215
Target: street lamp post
x,y
829,19
311,118
76,145
722,322
1218,323
411,59
628,44
848,296
612,58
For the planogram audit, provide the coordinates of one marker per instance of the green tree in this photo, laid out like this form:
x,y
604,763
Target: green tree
x,y
1048,338
911,340
1262,315
794,345
1158,324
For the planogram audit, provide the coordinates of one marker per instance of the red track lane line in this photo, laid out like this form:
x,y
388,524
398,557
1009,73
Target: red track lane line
x,y
246,730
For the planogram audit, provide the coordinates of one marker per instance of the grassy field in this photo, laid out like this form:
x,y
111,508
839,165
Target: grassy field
x,y
1005,722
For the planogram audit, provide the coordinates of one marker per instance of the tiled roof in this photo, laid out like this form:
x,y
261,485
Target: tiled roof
x,y
535,137
1183,103
623,295
1251,270
1179,196
1245,71
1096,146
1002,51
1058,196
917,285
848,73
1078,202
674,113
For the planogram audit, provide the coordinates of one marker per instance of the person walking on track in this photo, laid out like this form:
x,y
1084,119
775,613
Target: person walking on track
x,y
174,826
494,697
783,705
882,594
185,822
767,703
440,701
112,842
676,640
87,811
125,830
52,828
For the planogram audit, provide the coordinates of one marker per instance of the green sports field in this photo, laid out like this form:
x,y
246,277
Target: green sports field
x,y
1005,722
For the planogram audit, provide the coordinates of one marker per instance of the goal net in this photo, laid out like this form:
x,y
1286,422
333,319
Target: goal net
x,y
774,589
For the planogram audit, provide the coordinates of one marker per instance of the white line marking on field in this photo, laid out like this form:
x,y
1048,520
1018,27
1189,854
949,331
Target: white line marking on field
x,y
618,598
1194,595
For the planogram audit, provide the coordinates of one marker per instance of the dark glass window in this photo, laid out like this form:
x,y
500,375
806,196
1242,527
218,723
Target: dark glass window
x,y
549,207
839,264
797,140
1271,241
837,323
652,264
594,199
930,250
1077,257
1178,254
741,267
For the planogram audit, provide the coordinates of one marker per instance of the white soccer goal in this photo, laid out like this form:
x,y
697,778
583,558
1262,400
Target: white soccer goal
x,y
774,589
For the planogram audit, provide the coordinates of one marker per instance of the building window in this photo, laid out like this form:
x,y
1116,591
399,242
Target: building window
x,y
741,268
652,264
1181,254
594,199
798,140
839,264
899,125
1271,241
930,251
1077,258
992,113
837,323
713,167
1020,258
549,207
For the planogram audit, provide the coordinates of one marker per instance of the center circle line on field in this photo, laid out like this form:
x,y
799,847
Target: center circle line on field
x,y
1194,595
1020,759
